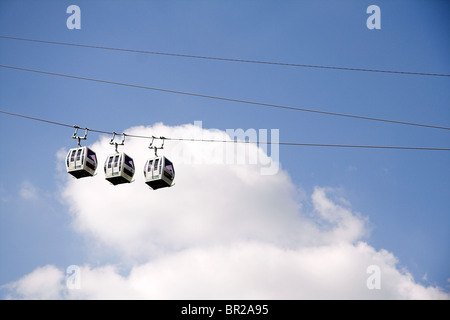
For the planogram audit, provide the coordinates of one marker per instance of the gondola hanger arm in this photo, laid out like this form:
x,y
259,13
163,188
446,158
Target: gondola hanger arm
x,y
152,146
112,142
79,138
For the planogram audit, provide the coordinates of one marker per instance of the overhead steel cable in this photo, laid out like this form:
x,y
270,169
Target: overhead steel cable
x,y
228,99
298,144
226,59
37,119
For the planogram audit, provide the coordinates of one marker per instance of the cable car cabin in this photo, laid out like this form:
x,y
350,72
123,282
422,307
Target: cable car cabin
x,y
81,162
119,168
159,172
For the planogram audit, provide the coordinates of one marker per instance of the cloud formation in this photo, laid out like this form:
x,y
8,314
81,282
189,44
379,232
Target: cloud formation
x,y
224,231
28,191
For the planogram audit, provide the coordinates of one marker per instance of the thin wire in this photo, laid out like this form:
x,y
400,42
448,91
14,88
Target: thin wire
x,y
231,141
227,59
314,144
228,99
37,119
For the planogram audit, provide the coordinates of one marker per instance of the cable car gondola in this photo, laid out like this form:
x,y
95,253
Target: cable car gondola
x,y
81,161
159,173
119,167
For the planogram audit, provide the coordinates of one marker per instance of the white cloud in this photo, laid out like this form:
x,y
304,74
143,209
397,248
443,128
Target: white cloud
x,y
210,203
28,191
345,226
249,270
43,283
223,232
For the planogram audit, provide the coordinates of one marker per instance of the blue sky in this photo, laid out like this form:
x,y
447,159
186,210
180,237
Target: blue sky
x,y
403,193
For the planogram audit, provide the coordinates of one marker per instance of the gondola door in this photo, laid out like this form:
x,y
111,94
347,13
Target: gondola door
x,y
112,168
79,157
156,170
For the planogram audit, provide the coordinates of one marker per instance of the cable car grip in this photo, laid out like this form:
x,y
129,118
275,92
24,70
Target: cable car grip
x,y
112,142
74,136
151,146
